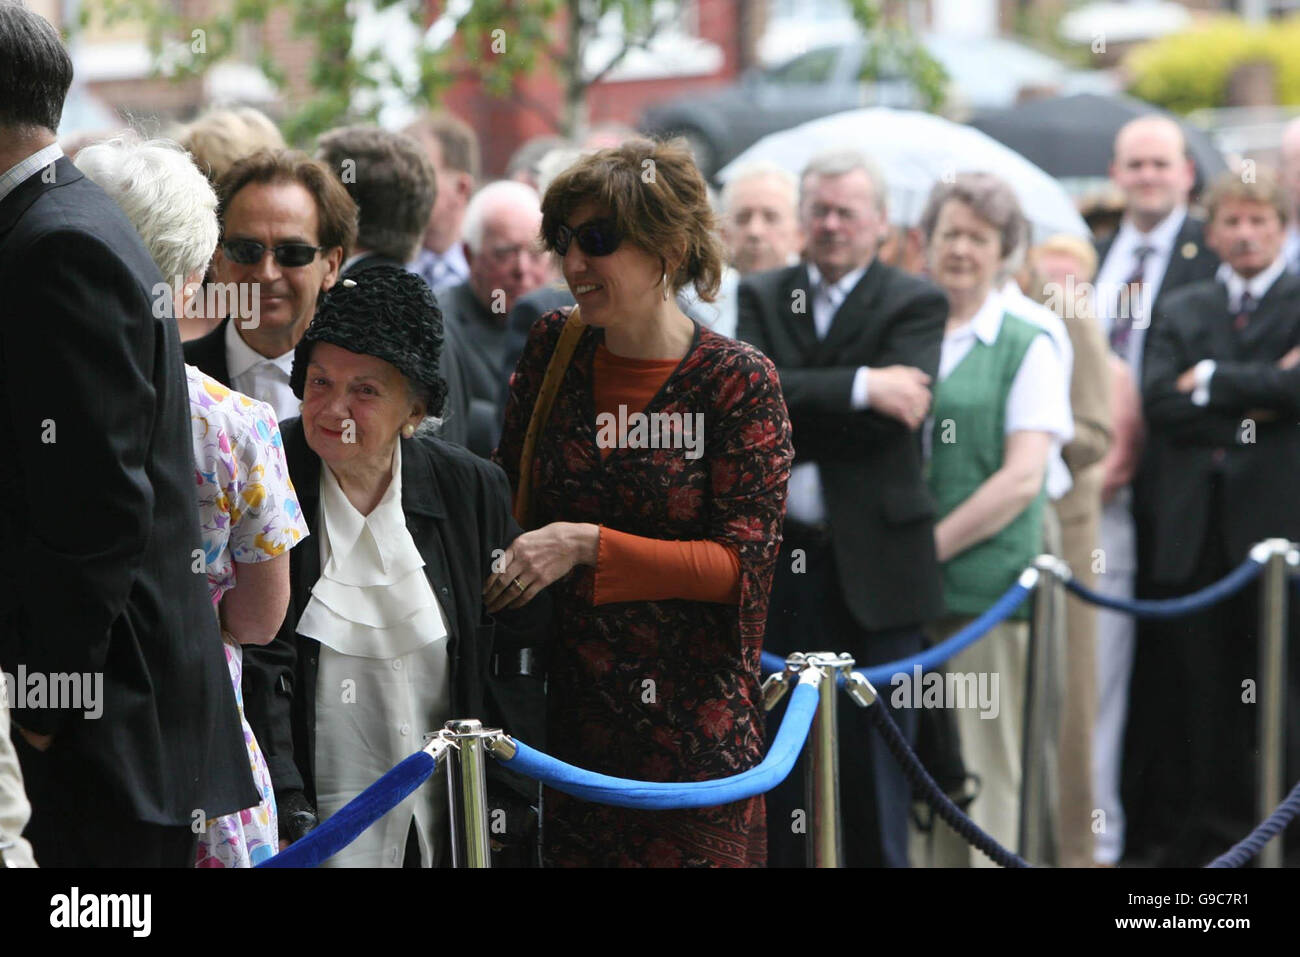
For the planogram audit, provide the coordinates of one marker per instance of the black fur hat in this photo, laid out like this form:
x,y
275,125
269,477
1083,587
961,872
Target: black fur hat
x,y
384,312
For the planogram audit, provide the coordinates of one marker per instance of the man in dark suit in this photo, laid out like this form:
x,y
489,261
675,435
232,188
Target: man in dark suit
x,y
857,344
1222,391
287,224
98,538
390,178
1158,249
501,227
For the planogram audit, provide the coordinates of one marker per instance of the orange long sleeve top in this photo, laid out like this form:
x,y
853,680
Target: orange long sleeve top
x,y
632,567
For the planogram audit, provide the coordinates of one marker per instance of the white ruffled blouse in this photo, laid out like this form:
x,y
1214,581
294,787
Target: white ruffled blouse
x,y
372,599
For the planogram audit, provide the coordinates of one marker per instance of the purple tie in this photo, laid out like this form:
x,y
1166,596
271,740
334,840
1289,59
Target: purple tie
x,y
1121,327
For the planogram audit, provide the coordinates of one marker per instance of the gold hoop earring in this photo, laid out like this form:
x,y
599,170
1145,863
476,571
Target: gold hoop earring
x,y
664,280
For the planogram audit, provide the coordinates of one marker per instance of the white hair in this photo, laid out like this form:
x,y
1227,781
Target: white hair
x,y
556,162
168,201
501,193
841,163
759,170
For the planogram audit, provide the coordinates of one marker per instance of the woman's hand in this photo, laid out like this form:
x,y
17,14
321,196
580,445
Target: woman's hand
x,y
537,558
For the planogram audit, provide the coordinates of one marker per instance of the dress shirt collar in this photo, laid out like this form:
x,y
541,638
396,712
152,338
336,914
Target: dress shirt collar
x,y
835,291
987,322
24,169
442,269
240,356
1258,286
1161,238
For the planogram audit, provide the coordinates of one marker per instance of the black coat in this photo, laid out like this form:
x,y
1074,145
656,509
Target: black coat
x,y
458,511
100,524
469,325
208,354
879,509
1188,442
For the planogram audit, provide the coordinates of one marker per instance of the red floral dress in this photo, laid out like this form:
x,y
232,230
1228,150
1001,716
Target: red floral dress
x,y
658,690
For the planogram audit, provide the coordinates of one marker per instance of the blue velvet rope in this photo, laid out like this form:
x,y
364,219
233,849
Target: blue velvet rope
x,y
880,675
358,814
658,795
1254,842
1225,587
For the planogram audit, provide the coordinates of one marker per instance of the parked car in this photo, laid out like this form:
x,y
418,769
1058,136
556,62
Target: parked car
x,y
720,124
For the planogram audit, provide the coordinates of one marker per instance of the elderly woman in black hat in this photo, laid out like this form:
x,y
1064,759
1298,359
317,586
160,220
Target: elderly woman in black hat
x,y
386,636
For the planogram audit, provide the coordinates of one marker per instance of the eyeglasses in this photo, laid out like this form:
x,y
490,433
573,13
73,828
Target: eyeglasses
x,y
249,252
596,237
504,254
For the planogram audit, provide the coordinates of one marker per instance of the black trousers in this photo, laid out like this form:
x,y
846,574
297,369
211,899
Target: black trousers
x,y
70,827
808,613
1191,752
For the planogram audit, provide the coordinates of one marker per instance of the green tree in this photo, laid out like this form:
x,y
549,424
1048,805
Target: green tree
x,y
893,50
496,41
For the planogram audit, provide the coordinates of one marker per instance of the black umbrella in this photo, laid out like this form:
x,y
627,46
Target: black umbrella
x,y
1074,136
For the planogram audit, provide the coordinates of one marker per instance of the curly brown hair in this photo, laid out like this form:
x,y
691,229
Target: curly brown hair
x,y
658,200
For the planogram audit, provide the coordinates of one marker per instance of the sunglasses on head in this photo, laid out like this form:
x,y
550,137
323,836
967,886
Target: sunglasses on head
x,y
249,252
595,237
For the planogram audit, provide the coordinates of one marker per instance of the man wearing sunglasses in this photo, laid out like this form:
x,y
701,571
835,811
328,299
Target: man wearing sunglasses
x,y
286,224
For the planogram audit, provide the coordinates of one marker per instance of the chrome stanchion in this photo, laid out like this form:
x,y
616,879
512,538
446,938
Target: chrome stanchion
x,y
822,781
1047,577
1272,685
467,794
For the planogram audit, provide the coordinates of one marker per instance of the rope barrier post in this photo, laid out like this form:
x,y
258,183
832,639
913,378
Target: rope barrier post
x,y
467,794
822,780
1276,554
1047,578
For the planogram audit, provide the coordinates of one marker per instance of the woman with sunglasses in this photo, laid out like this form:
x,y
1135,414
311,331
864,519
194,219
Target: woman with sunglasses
x,y
655,489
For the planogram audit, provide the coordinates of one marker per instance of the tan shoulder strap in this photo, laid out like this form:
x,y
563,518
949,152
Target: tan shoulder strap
x,y
555,369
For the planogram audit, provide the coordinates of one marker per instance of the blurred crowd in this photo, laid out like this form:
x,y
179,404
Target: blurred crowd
x,y
300,527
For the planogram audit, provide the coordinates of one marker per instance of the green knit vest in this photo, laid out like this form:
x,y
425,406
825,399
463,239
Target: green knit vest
x,y
970,408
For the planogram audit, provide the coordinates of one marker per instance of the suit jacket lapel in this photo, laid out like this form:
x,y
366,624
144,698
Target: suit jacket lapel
x,y
796,308
854,312
1223,339
304,470
1176,271
1271,315
422,502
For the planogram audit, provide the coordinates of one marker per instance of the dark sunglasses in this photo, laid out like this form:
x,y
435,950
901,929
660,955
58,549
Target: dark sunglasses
x,y
249,252
595,237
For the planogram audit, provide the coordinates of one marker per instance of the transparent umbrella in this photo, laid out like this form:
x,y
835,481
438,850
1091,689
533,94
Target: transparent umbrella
x,y
914,151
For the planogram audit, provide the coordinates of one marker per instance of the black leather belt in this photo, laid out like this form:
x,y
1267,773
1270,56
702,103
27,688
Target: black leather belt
x,y
521,661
